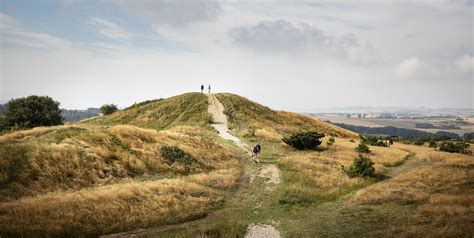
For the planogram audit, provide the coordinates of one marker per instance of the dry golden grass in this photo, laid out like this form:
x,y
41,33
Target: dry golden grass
x,y
324,167
106,209
184,109
440,183
245,116
82,179
73,157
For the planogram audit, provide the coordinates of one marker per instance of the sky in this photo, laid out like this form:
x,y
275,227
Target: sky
x,y
290,55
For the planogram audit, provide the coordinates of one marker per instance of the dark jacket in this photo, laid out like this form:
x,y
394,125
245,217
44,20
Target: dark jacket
x,y
257,148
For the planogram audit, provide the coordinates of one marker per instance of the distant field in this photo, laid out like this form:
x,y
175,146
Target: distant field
x,y
400,123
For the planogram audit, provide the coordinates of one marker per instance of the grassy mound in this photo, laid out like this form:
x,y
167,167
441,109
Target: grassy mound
x,y
77,179
250,118
186,109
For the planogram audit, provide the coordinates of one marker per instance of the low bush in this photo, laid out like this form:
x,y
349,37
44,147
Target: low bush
x,y
452,147
433,144
419,142
362,148
361,167
107,109
373,140
304,140
331,141
173,154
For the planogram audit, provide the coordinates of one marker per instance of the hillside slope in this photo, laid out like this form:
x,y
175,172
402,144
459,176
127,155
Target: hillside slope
x,y
246,117
75,180
185,109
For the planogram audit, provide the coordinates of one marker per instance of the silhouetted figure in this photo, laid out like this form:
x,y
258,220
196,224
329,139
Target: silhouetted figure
x,y
202,88
209,88
256,152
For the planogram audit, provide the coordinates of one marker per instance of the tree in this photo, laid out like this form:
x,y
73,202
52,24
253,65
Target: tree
x,y
107,109
361,167
32,111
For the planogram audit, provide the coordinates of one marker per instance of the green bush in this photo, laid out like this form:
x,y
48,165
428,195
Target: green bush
x,y
173,154
419,142
433,144
372,140
361,167
331,141
32,111
458,147
308,140
362,148
107,109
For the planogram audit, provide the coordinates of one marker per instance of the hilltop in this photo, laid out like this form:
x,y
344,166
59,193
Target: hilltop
x,y
248,117
186,109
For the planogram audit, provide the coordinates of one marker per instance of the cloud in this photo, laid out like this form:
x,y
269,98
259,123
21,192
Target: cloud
x,y
409,67
284,36
176,13
13,33
109,29
464,65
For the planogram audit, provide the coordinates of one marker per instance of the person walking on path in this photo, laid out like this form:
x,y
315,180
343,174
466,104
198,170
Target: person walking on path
x,y
209,88
202,88
256,153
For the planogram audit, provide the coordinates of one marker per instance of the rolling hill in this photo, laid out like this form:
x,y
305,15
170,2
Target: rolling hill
x,y
186,109
159,169
116,161
246,116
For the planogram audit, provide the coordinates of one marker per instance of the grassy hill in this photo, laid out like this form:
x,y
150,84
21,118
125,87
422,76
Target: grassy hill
x,y
185,109
109,174
75,180
249,118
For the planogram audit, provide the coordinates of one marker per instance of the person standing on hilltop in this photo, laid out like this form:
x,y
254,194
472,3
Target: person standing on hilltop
x,y
209,88
202,88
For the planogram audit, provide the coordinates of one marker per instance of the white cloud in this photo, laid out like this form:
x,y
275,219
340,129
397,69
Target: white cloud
x,y
13,33
465,65
284,36
409,67
109,29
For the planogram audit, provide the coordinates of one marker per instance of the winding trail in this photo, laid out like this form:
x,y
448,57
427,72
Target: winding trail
x,y
269,171
216,109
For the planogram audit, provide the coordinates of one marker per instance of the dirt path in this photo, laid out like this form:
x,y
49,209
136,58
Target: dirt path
x,y
269,171
272,174
216,109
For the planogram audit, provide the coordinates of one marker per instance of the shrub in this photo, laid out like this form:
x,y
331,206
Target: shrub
x,y
173,154
361,167
31,112
331,141
304,140
458,147
372,140
107,109
362,148
352,140
433,144
419,142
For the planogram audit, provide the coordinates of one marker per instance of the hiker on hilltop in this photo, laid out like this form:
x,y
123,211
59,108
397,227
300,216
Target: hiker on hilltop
x,y
202,88
209,88
256,152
